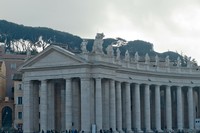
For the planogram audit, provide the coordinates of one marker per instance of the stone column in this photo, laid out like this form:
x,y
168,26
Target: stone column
x,y
168,108
98,104
68,104
85,105
106,106
49,102
128,107
119,107
147,108
112,106
35,106
27,108
43,105
157,108
179,109
137,108
62,108
52,106
190,108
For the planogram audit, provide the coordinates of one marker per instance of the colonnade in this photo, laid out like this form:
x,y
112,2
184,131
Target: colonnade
x,y
107,103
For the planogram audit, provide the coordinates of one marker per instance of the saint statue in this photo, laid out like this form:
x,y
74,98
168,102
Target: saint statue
x,y
118,54
136,57
110,51
147,59
97,46
127,56
83,46
156,60
167,61
178,62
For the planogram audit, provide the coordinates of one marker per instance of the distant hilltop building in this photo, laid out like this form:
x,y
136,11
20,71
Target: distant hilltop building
x,y
98,91
8,66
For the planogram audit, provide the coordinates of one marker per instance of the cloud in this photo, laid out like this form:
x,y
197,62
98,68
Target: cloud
x,y
169,24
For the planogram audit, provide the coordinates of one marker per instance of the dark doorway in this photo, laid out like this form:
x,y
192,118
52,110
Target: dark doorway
x,y
7,117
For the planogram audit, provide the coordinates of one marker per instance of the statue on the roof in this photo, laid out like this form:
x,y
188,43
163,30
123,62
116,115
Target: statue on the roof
x,y
167,61
127,56
178,62
84,46
136,57
110,51
118,54
147,59
156,60
97,46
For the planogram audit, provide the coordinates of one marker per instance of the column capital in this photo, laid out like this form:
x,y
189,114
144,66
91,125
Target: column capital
x,y
137,83
190,87
178,87
26,81
127,83
43,80
146,85
167,86
157,85
84,78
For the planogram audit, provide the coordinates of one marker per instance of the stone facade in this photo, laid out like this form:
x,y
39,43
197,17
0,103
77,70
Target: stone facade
x,y
64,90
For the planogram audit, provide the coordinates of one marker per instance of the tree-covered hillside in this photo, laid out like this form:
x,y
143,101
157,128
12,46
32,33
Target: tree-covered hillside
x,y
10,32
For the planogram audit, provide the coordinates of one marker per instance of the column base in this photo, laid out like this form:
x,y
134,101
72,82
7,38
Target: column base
x,y
120,131
169,130
159,131
149,131
138,131
129,131
115,131
83,131
190,130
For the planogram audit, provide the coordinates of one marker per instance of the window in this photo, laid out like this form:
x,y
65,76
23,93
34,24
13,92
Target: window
x,y
13,66
20,86
19,115
19,100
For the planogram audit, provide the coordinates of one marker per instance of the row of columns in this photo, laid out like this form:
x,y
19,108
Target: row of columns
x,y
115,106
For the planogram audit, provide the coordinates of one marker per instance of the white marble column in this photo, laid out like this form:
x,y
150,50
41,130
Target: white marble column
x,y
52,106
76,106
137,108
68,103
157,108
112,106
190,108
35,106
179,109
128,107
49,107
98,104
27,108
168,108
119,107
43,105
85,105
62,108
147,113
106,106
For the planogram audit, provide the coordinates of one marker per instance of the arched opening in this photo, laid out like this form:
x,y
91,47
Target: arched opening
x,y
6,117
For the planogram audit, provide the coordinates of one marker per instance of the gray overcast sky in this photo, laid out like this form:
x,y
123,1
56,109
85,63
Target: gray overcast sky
x,y
168,24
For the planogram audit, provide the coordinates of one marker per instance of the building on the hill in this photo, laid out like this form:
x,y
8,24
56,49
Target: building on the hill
x,y
8,66
63,90
18,101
